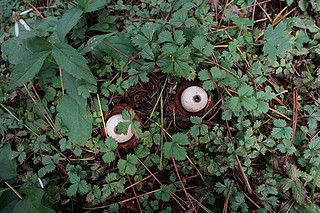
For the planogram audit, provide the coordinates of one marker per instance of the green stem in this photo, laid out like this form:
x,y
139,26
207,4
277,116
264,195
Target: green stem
x,y
154,108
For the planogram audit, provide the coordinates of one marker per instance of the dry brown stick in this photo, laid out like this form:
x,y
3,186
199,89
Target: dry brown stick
x,y
225,206
139,181
34,89
171,193
60,71
40,109
265,12
123,201
33,7
184,189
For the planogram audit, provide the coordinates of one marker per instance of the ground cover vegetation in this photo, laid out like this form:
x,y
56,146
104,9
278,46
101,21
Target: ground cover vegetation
x,y
65,62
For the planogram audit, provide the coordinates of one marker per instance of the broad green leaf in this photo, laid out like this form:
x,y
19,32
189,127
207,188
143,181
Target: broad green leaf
x,y
20,50
8,168
8,200
92,5
31,202
26,70
71,85
77,119
68,21
72,62
93,42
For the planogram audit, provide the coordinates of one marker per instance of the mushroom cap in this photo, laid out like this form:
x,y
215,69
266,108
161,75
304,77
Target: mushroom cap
x,y
194,99
112,124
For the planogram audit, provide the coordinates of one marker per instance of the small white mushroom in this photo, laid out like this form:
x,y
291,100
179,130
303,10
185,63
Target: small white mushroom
x,y
112,125
194,99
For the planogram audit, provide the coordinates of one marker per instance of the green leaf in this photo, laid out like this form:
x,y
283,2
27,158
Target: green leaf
x,y
174,149
70,60
165,36
263,107
73,178
92,5
26,70
8,168
72,190
178,64
202,45
179,37
31,202
77,119
277,42
195,120
128,165
180,17
68,21
83,186
235,104
163,194
245,90
249,103
280,123
19,50
93,42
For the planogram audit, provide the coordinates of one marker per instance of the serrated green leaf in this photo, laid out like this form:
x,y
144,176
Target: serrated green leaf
x,y
195,120
172,149
263,107
180,138
235,104
72,62
147,53
128,165
83,186
280,123
245,90
77,119
165,36
249,103
277,42
72,190
179,37
73,178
